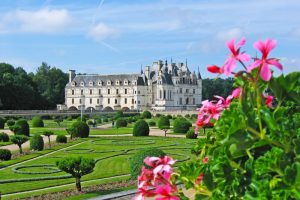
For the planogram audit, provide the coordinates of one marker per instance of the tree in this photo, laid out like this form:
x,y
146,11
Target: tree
x,y
211,87
19,140
77,167
48,134
163,124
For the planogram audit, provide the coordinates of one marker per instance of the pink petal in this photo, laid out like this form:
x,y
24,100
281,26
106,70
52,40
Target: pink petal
x,y
236,92
229,65
275,63
265,72
254,65
259,45
230,45
243,57
270,44
242,42
219,97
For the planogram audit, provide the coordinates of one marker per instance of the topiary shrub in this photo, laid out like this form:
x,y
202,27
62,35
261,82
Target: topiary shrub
x,y
141,128
119,114
121,123
191,134
137,160
37,122
164,124
10,122
5,154
152,123
4,137
181,125
21,127
105,119
61,139
146,114
80,129
187,116
37,143
158,115
2,123
169,116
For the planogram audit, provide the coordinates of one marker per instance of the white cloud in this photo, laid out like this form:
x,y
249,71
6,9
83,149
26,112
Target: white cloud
x,y
226,35
39,21
102,31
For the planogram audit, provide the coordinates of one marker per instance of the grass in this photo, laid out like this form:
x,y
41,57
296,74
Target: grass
x,y
111,154
5,143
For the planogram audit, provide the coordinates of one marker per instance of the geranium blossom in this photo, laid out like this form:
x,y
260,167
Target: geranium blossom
x,y
166,193
265,47
235,56
269,100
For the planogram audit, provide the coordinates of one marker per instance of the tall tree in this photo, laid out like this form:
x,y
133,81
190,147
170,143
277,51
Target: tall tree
x,y
211,87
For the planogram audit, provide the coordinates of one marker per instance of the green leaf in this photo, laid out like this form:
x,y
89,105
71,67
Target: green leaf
x,y
268,118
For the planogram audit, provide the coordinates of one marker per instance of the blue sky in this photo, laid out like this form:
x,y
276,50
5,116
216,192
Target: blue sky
x,y
118,36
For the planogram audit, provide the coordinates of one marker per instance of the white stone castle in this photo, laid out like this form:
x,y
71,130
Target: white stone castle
x,y
160,87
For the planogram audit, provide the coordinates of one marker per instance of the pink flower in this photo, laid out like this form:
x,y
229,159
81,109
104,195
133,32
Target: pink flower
x,y
263,63
205,159
161,166
199,178
269,100
234,56
236,92
166,192
214,69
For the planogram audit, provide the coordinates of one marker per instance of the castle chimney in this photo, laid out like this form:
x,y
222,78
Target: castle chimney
x,y
72,75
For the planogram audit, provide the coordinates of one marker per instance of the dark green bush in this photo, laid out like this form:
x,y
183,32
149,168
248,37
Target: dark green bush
x,y
105,119
37,143
121,123
69,118
146,114
21,127
2,123
4,137
91,122
152,123
169,116
187,116
61,139
80,129
5,154
137,160
10,122
37,122
157,115
191,134
181,125
141,128
119,114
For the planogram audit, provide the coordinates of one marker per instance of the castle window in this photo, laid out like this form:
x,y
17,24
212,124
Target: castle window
x,y
125,82
98,101
132,101
99,82
194,91
91,91
116,101
164,94
187,91
187,101
117,82
160,94
125,100
91,83
180,90
108,91
139,92
72,92
80,101
99,91
194,102
125,91
139,102
108,101
91,100
82,83
108,82
180,101
72,101
81,92
73,83
117,91
135,92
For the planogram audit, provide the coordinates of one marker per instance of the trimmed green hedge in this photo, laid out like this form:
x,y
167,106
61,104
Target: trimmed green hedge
x,y
37,143
21,127
61,139
146,114
4,137
10,122
53,169
141,128
2,123
152,123
5,154
121,123
191,134
181,125
80,129
37,122
137,161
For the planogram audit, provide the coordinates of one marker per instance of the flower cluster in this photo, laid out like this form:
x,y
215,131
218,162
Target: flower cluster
x,y
211,110
155,179
236,56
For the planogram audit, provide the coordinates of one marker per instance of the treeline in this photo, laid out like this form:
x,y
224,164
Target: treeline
x,y
20,90
45,88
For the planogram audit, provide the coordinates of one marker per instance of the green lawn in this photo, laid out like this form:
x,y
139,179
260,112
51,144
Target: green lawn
x,y
112,156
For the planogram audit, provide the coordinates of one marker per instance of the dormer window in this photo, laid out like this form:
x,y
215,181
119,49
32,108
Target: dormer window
x,y
108,82
81,83
117,82
91,83
99,82
73,83
125,82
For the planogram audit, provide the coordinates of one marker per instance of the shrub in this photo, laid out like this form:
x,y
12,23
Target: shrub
x,y
157,115
37,122
2,123
77,167
19,140
21,127
61,139
69,118
10,122
187,116
119,114
4,137
137,160
146,114
169,117
152,123
164,124
141,128
37,143
48,134
80,129
105,119
91,123
191,134
5,154
181,125
121,123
